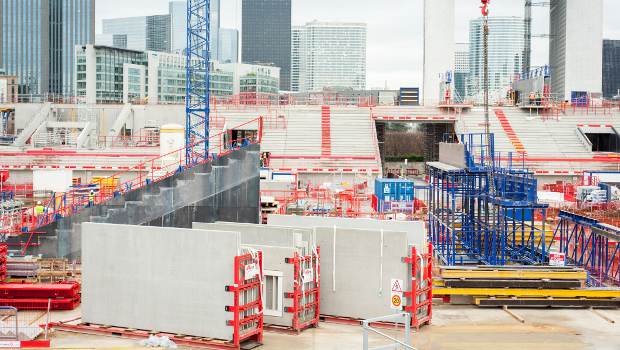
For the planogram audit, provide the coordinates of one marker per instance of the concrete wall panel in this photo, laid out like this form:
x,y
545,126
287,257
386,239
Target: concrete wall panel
x,y
416,230
266,235
165,279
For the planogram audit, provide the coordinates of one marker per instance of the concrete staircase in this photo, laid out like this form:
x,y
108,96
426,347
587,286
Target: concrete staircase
x,y
225,190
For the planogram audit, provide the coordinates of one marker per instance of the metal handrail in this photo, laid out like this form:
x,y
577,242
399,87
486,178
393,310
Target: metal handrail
x,y
366,325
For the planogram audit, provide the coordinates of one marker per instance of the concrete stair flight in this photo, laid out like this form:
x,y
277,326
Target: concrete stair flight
x,y
512,135
326,127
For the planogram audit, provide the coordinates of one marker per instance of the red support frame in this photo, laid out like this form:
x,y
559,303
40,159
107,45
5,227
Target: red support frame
x,y
305,299
247,319
421,294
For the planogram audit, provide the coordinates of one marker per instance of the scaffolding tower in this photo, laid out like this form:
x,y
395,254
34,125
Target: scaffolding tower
x,y
481,216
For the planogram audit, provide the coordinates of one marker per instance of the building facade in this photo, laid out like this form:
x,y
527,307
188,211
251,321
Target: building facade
x,y
109,75
8,89
266,36
37,40
152,33
296,41
329,55
228,42
461,72
611,68
576,48
438,46
506,47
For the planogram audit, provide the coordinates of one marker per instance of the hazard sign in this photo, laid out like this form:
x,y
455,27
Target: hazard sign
x,y
397,286
308,276
396,295
251,271
557,259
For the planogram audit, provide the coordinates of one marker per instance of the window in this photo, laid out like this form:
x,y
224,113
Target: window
x,y
272,293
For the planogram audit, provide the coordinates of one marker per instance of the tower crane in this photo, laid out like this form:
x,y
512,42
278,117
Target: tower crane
x,y
197,81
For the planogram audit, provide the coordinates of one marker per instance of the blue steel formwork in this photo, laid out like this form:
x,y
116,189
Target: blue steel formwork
x,y
470,225
589,244
197,80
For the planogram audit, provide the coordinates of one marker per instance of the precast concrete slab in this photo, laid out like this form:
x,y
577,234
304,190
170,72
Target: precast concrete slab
x,y
153,278
416,230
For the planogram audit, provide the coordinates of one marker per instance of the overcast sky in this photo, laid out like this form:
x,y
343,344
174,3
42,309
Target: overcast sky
x,y
394,28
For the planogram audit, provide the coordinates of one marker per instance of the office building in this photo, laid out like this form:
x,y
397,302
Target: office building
x,y
8,88
141,33
37,40
506,47
266,35
111,75
438,46
576,48
228,42
329,55
461,72
611,68
296,41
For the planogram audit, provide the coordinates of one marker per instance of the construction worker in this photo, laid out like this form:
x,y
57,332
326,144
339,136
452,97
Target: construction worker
x,y
532,98
39,209
91,198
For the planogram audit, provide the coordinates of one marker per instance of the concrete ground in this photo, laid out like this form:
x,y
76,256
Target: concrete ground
x,y
454,327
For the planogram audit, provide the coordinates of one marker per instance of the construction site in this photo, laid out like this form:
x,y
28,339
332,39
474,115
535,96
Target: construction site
x,y
281,224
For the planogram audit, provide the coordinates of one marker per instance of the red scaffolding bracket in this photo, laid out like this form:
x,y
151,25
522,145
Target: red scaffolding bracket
x,y
306,293
420,297
247,309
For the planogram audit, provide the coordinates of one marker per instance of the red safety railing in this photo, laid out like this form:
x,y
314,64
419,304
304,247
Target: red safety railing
x,y
247,309
128,141
148,172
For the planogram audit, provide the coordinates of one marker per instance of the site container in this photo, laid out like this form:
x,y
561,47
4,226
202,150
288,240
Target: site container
x,y
391,191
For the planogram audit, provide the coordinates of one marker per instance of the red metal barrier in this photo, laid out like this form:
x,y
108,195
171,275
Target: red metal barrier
x,y
68,290
247,319
306,293
42,304
421,294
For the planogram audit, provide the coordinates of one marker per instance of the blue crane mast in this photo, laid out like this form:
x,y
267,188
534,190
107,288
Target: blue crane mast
x,y
197,81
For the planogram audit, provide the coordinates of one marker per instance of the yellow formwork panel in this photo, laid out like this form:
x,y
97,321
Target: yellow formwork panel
x,y
478,300
515,274
541,293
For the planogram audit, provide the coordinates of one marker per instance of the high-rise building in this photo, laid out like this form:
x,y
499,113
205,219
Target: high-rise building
x,y
228,42
178,26
329,55
576,48
438,46
266,35
506,47
611,68
296,41
461,71
37,41
141,33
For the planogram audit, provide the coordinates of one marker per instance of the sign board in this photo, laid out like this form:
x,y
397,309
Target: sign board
x,y
308,276
251,271
396,295
557,259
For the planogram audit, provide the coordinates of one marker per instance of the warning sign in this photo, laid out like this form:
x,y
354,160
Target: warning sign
x,y
396,295
557,259
251,271
397,286
308,276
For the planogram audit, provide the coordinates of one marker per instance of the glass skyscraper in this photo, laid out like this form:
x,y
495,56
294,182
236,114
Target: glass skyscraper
x,y
266,35
140,33
329,55
228,50
38,39
506,47
611,68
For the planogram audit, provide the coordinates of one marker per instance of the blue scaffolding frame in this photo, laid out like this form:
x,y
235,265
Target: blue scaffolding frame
x,y
589,244
470,225
197,81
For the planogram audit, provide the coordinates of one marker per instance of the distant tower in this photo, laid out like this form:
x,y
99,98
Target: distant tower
x,y
439,46
576,47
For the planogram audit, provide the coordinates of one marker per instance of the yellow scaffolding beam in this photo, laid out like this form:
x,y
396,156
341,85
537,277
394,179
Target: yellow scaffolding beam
x,y
514,274
541,293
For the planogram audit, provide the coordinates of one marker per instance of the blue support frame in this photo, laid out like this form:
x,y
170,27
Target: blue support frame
x,y
470,225
197,81
589,244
